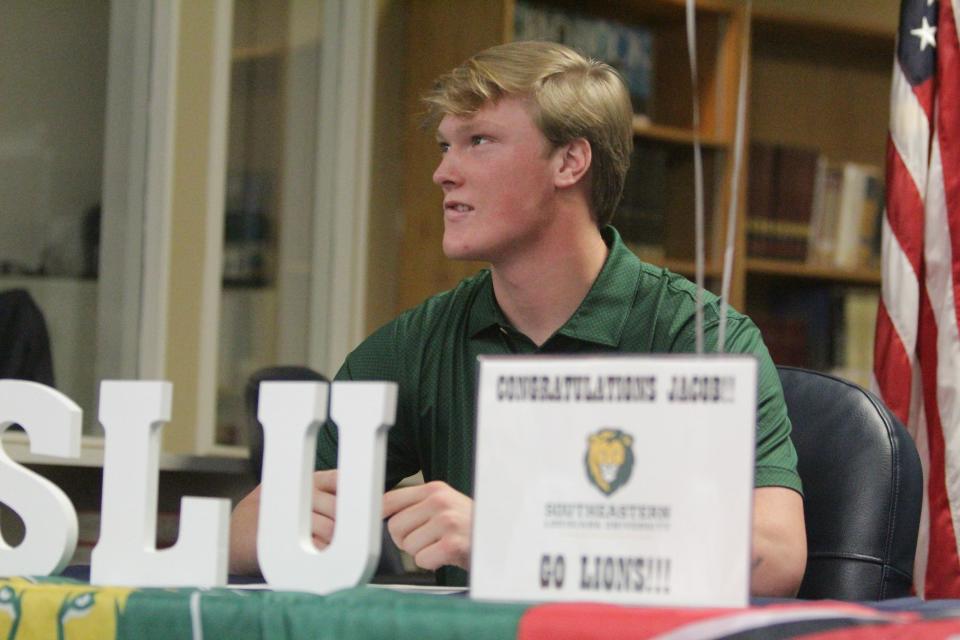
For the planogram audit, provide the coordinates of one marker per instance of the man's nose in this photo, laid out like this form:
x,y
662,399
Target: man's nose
x,y
447,174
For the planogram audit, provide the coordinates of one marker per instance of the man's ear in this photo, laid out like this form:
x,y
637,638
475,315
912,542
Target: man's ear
x,y
575,159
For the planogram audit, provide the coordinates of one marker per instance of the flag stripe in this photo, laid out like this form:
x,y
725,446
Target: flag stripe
x,y
900,283
909,126
943,567
918,429
890,361
948,132
905,209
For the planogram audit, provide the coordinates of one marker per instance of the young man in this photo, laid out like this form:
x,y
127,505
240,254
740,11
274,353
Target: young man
x,y
535,141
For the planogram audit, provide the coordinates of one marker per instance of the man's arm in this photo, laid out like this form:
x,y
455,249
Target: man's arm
x,y
245,518
779,555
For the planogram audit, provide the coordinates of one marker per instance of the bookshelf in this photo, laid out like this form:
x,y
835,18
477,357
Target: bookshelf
x,y
819,79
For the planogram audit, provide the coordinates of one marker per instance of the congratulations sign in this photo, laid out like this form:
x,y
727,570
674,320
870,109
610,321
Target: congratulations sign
x,y
624,479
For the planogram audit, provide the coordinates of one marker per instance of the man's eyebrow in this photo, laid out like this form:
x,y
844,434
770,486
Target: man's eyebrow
x,y
469,126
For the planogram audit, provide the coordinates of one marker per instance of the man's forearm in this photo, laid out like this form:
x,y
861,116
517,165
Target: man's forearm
x,y
779,554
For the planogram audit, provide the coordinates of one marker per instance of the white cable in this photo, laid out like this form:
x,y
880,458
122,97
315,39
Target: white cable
x,y
697,170
734,180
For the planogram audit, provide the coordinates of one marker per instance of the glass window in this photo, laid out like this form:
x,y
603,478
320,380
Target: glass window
x,y
269,197
53,70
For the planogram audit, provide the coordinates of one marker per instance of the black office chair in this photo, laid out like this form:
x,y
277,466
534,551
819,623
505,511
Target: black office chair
x,y
24,341
251,401
391,566
862,486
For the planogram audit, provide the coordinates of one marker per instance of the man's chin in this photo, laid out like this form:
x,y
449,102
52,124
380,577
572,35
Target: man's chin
x,y
454,250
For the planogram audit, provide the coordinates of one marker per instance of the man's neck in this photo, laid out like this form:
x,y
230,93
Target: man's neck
x,y
540,292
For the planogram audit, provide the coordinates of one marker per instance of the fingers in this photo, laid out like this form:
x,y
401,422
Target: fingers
x,y
399,499
439,553
244,520
325,480
431,522
442,539
321,530
323,502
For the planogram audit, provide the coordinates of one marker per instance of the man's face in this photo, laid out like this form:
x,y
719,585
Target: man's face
x,y
497,176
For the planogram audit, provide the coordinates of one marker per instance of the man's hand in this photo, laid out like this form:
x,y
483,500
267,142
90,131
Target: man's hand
x,y
432,523
779,555
245,517
324,503
243,535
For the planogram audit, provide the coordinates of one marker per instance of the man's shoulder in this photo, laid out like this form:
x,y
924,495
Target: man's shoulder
x,y
419,326
444,306
666,305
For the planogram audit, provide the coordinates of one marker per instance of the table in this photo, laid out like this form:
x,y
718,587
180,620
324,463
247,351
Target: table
x,y
69,609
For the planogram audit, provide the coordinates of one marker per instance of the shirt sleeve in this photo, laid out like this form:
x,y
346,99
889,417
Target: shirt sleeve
x,y
776,458
376,360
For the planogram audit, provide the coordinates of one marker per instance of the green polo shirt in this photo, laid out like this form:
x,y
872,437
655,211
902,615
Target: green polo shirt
x,y
633,307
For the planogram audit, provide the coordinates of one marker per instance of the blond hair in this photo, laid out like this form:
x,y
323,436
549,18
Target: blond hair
x,y
572,97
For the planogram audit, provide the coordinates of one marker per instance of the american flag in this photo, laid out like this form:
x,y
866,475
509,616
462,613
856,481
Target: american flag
x,y
917,351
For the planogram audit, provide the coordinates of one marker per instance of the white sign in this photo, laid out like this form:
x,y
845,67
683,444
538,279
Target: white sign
x,y
623,479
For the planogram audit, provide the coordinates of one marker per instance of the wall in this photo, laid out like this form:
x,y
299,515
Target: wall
x,y
866,15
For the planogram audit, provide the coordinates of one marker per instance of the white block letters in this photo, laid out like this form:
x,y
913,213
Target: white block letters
x,y
132,414
53,423
291,413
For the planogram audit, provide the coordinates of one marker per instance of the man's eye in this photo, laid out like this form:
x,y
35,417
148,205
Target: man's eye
x,y
444,146
475,140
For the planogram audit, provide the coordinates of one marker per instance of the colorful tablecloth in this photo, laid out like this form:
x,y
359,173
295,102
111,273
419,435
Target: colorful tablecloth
x,y
69,610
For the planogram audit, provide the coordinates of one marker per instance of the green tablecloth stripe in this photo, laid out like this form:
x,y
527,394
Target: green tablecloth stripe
x,y
170,614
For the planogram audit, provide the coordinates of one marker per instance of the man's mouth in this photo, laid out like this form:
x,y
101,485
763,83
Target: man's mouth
x,y
457,207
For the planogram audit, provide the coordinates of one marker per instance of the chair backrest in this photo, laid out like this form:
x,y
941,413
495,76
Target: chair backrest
x,y
863,487
24,341
251,398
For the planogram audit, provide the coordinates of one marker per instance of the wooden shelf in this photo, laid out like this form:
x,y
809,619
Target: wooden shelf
x,y
802,270
643,128
677,265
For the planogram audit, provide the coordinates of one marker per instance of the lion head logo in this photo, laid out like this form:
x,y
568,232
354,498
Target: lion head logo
x,y
609,459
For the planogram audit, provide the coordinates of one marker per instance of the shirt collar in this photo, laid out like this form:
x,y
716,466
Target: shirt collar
x,y
602,314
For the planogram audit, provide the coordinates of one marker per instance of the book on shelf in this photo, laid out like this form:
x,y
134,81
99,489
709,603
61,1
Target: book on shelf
x,y
759,197
823,219
626,48
824,328
853,360
640,217
780,197
798,325
804,206
859,210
